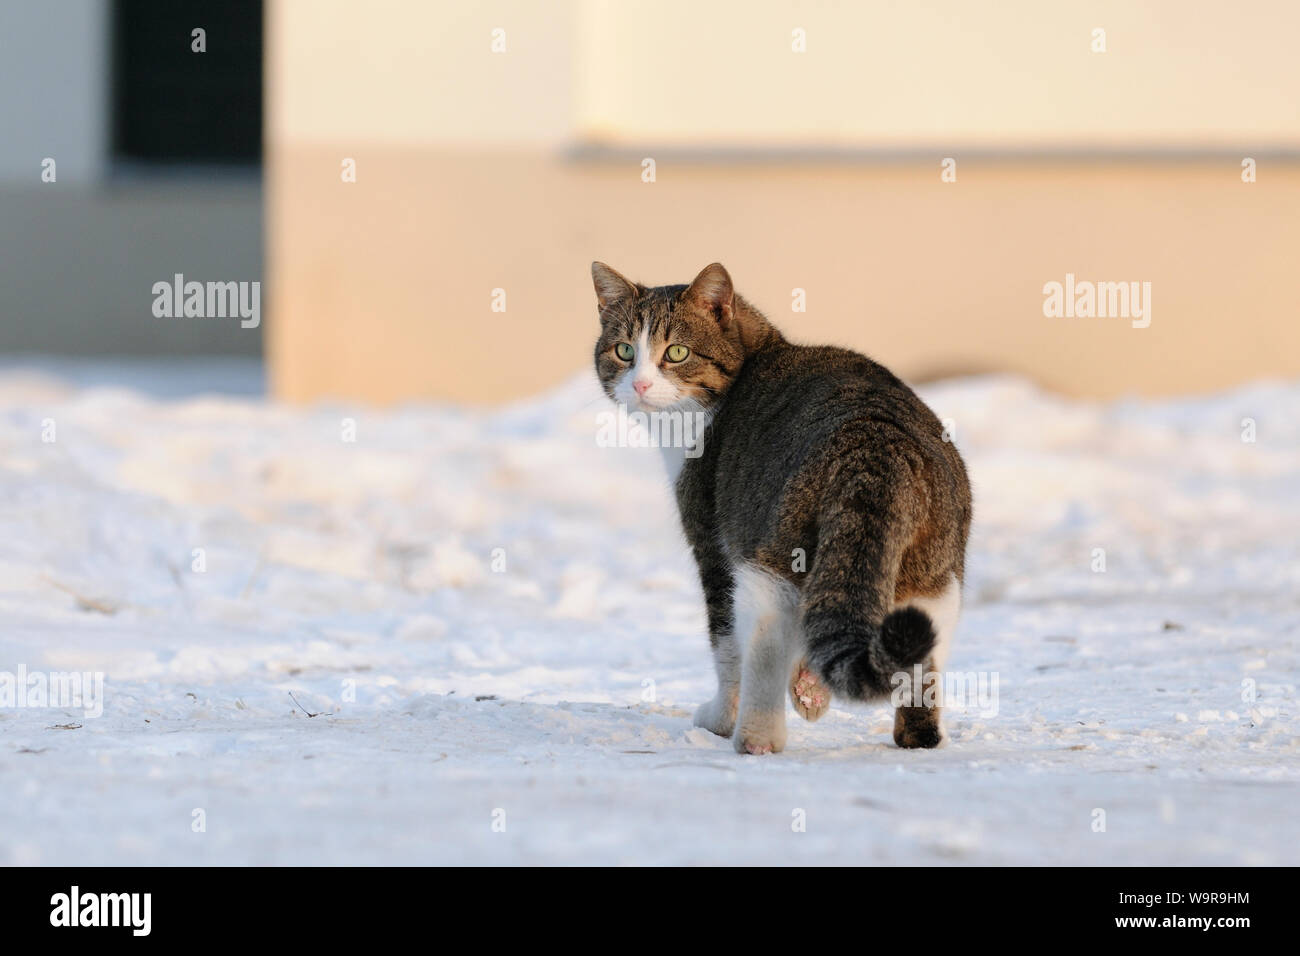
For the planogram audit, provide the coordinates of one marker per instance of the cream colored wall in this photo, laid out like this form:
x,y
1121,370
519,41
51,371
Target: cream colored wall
x,y
994,74
381,289
956,72
418,72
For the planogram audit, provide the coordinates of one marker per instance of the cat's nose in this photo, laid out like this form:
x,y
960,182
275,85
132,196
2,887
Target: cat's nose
x,y
641,387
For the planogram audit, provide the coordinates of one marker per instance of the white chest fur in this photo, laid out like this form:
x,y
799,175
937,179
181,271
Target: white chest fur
x,y
674,461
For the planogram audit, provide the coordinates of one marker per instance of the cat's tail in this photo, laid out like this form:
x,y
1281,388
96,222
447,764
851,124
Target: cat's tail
x,y
856,642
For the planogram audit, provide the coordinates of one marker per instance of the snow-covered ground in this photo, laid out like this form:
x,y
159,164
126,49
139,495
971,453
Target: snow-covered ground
x,y
551,695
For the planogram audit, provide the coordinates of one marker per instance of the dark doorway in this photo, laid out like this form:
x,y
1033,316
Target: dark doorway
x,y
174,105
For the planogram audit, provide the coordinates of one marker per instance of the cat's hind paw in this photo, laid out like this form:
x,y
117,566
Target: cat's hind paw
x,y
811,698
918,728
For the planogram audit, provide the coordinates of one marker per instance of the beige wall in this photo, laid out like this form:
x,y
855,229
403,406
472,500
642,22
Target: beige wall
x,y
381,289
960,72
418,72
657,72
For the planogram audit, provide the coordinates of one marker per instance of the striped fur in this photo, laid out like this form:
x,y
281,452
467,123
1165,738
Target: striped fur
x,y
822,473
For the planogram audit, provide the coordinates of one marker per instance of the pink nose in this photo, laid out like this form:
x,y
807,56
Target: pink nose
x,y
641,387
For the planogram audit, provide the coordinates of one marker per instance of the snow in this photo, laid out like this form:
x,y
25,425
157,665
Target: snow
x,y
362,582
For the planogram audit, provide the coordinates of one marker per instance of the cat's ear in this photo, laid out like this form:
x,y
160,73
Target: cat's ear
x,y
712,294
610,286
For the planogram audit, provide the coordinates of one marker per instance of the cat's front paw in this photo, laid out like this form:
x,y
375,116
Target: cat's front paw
x,y
811,698
760,734
718,716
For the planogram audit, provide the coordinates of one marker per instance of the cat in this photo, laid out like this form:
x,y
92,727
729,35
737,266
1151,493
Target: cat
x,y
826,509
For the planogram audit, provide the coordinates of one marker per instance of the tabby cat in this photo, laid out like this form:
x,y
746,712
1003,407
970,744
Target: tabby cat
x,y
826,509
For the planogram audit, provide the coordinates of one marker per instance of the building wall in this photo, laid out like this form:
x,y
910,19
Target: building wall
x,y
478,171
384,288
998,74
81,254
54,94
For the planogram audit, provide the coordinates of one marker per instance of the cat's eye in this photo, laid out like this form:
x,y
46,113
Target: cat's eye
x,y
677,353
624,351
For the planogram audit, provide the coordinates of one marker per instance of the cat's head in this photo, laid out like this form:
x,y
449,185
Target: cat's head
x,y
673,346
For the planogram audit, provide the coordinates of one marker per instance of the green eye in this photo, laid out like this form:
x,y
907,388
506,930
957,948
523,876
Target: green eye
x,y
677,353
624,351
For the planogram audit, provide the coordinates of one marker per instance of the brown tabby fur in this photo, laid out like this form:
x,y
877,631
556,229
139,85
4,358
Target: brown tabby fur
x,y
810,449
